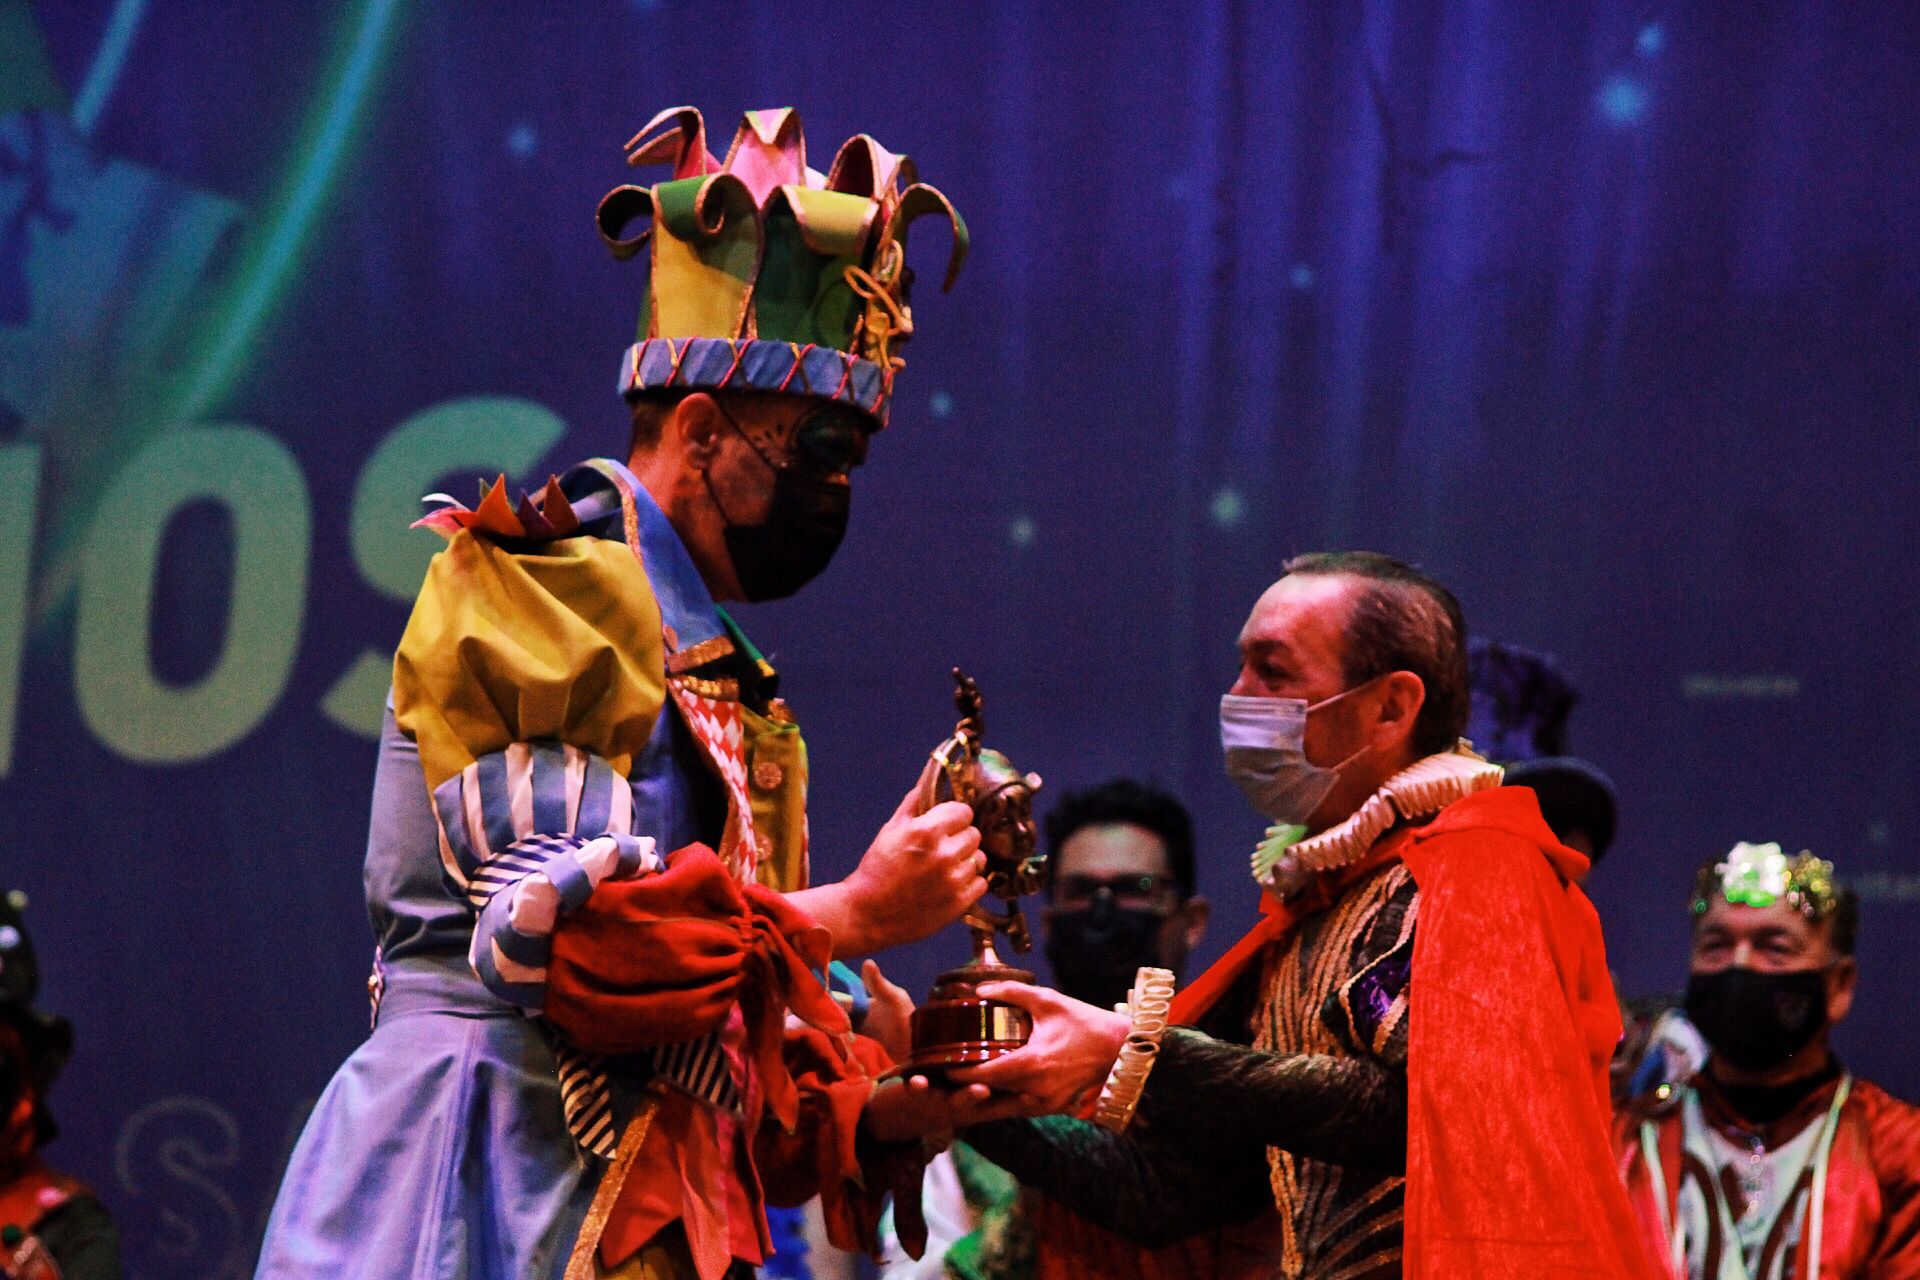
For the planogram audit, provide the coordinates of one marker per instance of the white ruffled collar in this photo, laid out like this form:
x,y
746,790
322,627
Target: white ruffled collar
x,y
1423,788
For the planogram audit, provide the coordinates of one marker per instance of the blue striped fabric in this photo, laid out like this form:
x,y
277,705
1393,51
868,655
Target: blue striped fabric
x,y
513,962
549,774
700,1068
529,788
536,807
585,1099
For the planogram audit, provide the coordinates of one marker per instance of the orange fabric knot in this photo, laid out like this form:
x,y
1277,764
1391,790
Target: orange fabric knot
x,y
662,959
823,1155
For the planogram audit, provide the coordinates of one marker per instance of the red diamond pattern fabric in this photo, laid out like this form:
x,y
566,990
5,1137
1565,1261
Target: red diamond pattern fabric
x,y
717,727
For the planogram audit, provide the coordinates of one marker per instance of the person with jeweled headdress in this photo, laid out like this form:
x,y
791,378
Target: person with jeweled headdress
x,y
1773,1160
601,1043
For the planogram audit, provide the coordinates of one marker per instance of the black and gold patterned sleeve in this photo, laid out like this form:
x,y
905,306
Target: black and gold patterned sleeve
x,y
1367,1013
1195,1157
1345,1111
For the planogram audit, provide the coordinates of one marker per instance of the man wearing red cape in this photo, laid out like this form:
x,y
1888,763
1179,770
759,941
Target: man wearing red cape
x,y
1402,1069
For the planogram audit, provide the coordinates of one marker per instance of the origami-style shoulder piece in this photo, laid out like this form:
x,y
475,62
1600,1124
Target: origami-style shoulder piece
x,y
536,518
768,275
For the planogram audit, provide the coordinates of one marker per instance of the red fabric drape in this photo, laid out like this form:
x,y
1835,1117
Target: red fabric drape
x,y
1871,1214
821,1155
662,959
1510,1175
665,959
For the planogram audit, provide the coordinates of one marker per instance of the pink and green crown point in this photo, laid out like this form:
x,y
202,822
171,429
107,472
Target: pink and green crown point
x,y
763,251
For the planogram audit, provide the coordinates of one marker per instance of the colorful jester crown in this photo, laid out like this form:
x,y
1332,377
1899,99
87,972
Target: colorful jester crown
x,y
766,275
1759,875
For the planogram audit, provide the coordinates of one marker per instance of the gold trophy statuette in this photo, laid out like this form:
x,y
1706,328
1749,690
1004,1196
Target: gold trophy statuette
x,y
957,1026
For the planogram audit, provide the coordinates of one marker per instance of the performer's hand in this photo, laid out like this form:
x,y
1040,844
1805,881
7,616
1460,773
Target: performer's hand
x,y
901,1110
1070,1053
920,874
889,1013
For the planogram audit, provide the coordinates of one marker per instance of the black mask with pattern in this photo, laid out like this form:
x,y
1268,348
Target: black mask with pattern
x,y
806,520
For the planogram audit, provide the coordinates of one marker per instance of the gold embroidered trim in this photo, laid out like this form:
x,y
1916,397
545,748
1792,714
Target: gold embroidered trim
x,y
725,690
580,1261
629,516
699,655
1423,788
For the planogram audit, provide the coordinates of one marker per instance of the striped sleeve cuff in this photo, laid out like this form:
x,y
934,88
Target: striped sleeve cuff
x,y
528,888
508,796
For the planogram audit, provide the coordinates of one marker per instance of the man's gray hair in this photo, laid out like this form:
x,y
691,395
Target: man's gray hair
x,y
1403,620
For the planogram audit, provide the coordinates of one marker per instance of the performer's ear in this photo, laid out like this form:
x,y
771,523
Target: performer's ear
x,y
698,422
1402,694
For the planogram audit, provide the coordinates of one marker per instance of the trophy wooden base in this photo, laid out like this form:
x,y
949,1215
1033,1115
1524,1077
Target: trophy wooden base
x,y
958,1027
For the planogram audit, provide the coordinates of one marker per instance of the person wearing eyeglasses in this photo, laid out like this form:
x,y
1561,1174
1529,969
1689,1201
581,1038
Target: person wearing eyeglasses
x,y
1120,889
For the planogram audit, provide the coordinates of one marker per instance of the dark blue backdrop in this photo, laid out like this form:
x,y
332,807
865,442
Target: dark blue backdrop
x,y
1607,314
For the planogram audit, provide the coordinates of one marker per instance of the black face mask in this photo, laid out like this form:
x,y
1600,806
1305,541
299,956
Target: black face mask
x,y
1095,952
805,522
1757,1020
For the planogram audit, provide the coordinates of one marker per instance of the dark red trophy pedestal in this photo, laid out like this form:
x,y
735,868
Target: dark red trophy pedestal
x,y
958,1027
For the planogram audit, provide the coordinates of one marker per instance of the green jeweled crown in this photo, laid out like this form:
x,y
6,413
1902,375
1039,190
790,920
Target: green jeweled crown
x,y
1760,875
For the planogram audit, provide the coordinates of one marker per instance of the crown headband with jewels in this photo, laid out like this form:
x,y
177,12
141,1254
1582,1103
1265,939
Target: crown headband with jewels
x,y
1760,875
768,275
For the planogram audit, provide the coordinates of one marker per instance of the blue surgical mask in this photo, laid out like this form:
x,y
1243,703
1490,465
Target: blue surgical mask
x,y
1265,741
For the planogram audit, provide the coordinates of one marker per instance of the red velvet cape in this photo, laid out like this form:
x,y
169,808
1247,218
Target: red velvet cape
x,y
1510,1175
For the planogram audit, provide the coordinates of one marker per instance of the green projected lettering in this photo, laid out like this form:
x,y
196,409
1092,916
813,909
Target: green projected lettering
x,y
19,503
127,704
482,435
120,697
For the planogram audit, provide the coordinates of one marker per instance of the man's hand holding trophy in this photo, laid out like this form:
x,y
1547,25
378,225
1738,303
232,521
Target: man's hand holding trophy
x,y
958,1026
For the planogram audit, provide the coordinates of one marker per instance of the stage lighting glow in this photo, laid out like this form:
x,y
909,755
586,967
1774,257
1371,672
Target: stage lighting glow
x,y
1021,531
1623,100
521,140
104,73
272,264
1228,508
941,404
1301,277
1651,40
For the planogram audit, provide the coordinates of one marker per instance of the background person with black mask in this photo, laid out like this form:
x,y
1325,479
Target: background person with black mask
x,y
1773,1160
1120,889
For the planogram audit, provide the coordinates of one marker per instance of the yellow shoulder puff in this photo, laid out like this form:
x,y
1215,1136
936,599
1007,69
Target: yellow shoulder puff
x,y
560,641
